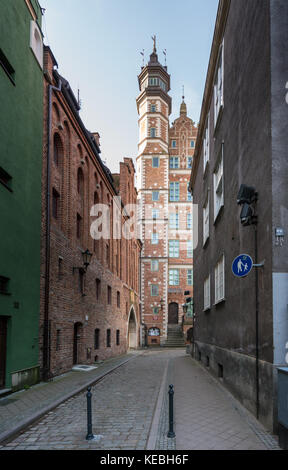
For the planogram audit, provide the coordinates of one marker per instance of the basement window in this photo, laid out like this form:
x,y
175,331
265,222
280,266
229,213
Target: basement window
x,y
7,67
5,179
220,371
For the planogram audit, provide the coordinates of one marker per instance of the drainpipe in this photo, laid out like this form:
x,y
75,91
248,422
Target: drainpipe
x,y
46,332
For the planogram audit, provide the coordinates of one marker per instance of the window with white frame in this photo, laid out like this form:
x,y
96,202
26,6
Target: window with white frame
x,y
154,265
153,132
154,238
155,195
206,221
173,277
189,277
174,191
189,221
155,162
174,221
218,186
36,42
189,249
207,301
174,162
219,280
206,144
154,290
218,85
174,248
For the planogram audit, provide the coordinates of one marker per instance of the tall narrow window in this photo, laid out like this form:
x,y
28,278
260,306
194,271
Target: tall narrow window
x,y
207,302
154,290
153,132
108,338
98,289
189,221
218,187
174,163
55,203
218,85
7,67
189,249
117,337
219,280
58,150
174,221
118,299
80,182
4,285
79,227
206,221
155,162
174,191
189,277
109,295
206,145
174,277
96,338
155,195
154,265
174,248
189,195
154,238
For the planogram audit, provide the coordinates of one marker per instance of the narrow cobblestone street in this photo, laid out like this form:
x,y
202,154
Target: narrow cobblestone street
x,y
130,412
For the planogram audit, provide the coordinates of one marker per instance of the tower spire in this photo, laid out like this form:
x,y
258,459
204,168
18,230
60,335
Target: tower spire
x,y
183,107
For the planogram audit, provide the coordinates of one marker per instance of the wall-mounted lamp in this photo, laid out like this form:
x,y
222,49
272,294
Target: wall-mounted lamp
x,y
162,303
86,256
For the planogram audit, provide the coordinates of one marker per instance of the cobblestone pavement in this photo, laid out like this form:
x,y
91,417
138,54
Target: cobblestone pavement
x,y
130,410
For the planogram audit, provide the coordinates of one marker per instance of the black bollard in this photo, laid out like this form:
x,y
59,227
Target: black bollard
x,y
171,432
90,434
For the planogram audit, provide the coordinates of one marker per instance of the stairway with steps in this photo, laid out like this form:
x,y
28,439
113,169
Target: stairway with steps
x,y
175,338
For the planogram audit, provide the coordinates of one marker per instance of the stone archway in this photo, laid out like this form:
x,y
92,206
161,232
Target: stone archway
x,y
132,330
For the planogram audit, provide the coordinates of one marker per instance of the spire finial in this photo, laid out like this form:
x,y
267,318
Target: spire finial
x,y
154,43
183,94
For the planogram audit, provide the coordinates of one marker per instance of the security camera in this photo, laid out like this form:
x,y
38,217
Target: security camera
x,y
247,216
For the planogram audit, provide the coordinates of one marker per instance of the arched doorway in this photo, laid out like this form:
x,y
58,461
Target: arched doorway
x,y
132,330
76,342
173,313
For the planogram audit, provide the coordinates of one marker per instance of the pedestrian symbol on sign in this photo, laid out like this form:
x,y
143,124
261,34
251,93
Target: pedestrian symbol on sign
x,y
242,265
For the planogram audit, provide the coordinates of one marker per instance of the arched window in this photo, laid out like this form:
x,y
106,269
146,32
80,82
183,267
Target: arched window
x,y
57,150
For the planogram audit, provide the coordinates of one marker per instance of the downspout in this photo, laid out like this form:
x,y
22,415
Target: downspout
x,y
46,332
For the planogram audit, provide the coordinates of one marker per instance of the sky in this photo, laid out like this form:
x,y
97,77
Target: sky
x,y
97,45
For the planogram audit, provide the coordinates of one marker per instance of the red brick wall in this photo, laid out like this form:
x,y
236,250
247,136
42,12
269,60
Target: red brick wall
x,y
67,305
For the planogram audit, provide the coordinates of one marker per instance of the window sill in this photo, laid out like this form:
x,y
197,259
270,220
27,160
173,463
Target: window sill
x,y
220,301
207,309
5,293
205,170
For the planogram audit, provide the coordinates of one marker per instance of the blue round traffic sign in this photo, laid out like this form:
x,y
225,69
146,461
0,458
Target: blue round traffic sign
x,y
242,265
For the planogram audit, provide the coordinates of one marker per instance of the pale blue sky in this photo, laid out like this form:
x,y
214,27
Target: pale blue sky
x,y
97,45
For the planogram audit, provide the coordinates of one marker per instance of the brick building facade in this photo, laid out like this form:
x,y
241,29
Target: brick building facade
x,y
165,206
86,314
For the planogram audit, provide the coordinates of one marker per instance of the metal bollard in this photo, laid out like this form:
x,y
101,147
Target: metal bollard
x,y
171,432
90,434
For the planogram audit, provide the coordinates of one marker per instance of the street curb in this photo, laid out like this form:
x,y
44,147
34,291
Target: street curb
x,y
7,436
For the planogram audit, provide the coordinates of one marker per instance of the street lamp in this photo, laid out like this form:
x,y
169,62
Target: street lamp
x,y
86,256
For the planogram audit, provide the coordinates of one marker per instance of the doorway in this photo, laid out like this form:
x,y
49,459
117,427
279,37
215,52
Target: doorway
x,y
3,347
173,313
132,331
76,342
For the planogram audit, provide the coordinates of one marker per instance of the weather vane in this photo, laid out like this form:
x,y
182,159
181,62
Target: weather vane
x,y
165,54
154,41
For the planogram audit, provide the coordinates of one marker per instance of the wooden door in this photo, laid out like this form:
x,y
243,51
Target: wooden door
x,y
173,313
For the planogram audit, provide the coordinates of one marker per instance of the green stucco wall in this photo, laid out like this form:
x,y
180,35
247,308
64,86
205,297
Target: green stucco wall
x,y
21,131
